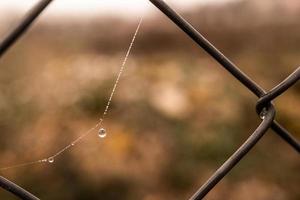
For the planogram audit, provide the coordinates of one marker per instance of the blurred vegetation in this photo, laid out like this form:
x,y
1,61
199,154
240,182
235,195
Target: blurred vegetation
x,y
176,117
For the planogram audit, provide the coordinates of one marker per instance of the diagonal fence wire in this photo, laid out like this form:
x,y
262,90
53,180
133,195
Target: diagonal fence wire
x,y
237,156
278,90
264,106
264,102
21,28
5,44
224,61
16,190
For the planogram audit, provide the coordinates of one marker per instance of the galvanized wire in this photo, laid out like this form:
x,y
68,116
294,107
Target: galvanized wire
x,y
264,106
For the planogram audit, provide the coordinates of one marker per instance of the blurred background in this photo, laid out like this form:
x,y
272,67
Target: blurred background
x,y
176,116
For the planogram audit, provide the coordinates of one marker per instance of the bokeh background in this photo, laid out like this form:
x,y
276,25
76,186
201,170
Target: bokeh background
x,y
176,116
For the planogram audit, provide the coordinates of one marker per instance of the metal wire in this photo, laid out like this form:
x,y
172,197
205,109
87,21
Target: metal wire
x,y
264,106
8,41
263,103
224,61
237,156
16,190
19,30
278,90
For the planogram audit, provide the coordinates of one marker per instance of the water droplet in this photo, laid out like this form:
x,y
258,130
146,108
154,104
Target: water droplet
x,y
102,133
51,160
44,160
263,113
72,144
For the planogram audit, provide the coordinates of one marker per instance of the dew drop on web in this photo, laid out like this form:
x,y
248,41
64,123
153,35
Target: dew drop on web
x,y
51,160
102,133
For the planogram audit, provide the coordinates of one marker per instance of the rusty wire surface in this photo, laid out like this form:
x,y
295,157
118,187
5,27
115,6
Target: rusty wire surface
x,y
264,106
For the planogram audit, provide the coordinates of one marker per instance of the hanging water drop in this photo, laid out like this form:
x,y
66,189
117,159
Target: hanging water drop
x,y
51,160
102,133
263,113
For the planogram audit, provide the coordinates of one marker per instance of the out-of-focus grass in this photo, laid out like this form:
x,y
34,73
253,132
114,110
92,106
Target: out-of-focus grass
x,y
176,115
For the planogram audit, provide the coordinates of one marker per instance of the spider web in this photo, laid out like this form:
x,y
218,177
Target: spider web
x,y
99,123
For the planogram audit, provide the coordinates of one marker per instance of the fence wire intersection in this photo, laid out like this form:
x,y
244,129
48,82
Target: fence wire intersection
x,y
264,106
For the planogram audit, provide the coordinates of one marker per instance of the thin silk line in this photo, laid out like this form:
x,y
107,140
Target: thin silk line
x,y
100,121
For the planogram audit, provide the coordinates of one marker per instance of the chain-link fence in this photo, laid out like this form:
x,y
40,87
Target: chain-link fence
x,y
264,106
